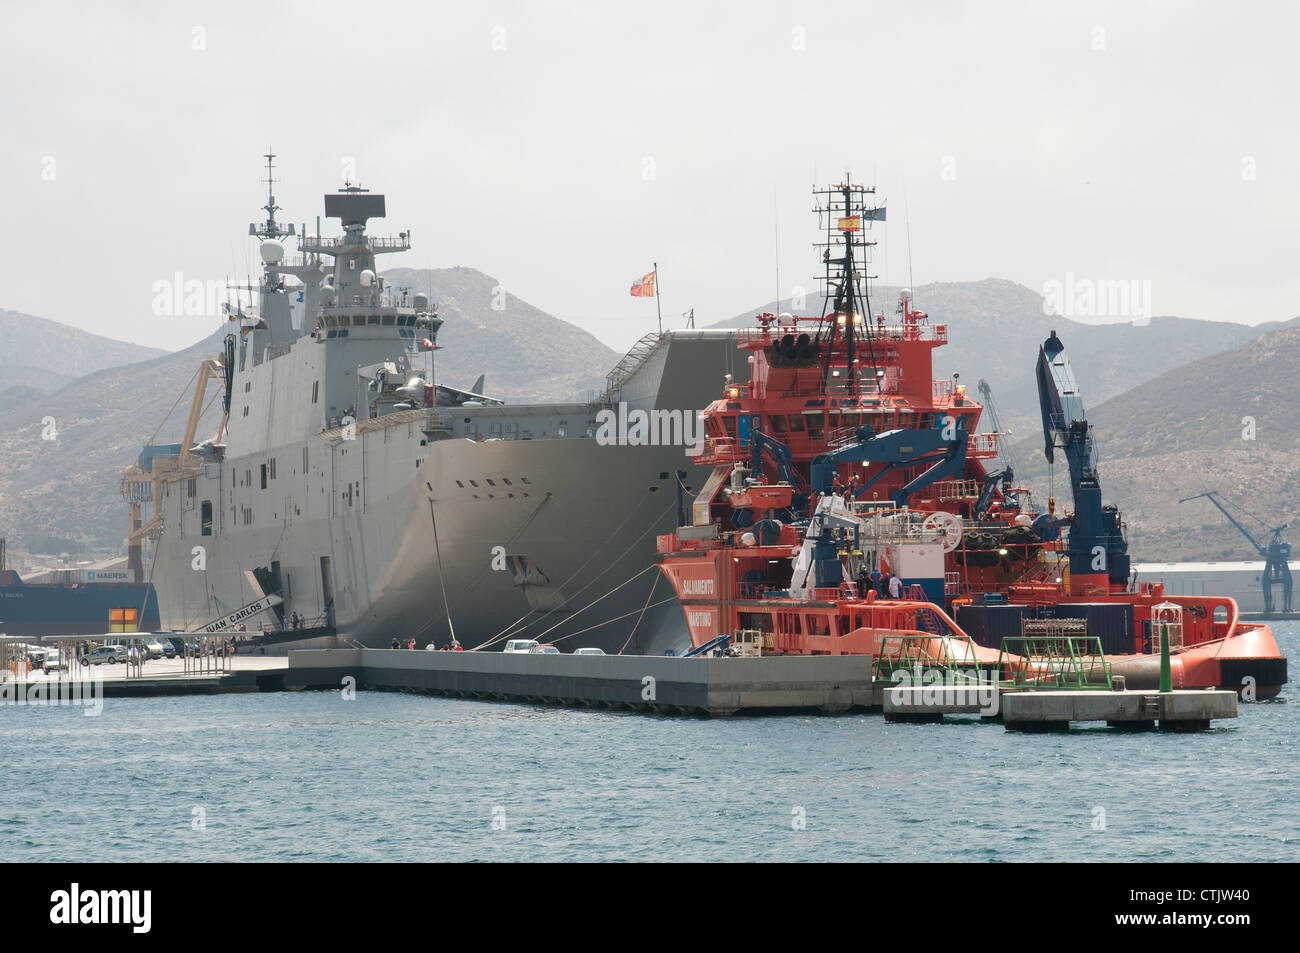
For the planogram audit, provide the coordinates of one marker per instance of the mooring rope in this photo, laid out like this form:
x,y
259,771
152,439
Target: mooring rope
x,y
441,581
643,610
513,628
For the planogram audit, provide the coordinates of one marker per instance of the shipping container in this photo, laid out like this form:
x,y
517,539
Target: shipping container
x,y
988,625
1111,622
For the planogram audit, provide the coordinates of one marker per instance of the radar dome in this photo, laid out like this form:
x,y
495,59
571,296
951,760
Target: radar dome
x,y
905,294
272,252
421,302
367,278
785,316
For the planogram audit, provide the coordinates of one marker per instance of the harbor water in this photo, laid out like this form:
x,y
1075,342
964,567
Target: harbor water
x,y
384,776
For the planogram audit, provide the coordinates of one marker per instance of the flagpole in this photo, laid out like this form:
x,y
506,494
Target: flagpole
x,y
658,307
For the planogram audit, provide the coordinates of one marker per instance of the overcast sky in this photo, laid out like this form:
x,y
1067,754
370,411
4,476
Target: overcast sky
x,y
563,147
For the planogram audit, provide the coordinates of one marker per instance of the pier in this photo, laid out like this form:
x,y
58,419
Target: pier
x,y
647,683
652,684
1047,710
245,673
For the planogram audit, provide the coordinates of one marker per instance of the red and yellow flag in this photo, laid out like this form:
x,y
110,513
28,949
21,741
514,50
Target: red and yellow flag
x,y
852,223
645,288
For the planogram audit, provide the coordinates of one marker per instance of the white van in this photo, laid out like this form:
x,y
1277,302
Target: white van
x,y
520,646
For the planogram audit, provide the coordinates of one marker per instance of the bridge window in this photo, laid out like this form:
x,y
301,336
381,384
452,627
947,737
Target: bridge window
x,y
729,425
777,423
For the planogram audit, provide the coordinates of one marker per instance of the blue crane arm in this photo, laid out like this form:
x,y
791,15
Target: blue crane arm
x,y
897,449
1211,497
759,442
991,481
1065,423
1096,540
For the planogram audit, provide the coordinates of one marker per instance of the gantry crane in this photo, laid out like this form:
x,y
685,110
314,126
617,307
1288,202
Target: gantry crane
x,y
1277,554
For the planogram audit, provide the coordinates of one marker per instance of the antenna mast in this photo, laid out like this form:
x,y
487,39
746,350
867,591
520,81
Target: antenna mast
x,y
847,307
270,229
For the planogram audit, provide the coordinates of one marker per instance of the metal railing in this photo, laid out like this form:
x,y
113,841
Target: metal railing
x,y
1051,660
917,654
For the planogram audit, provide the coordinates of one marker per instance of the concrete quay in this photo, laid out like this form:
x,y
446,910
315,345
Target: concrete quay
x,y
663,684
157,677
1044,710
1182,710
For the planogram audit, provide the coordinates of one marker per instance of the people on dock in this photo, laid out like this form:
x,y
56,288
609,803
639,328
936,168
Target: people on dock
x,y
395,644
895,587
411,644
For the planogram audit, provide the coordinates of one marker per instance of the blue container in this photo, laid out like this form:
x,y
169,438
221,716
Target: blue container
x,y
1111,622
988,625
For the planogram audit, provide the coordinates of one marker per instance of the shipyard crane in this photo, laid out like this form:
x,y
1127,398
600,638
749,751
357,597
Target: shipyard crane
x,y
1011,496
1009,461
1096,546
1277,554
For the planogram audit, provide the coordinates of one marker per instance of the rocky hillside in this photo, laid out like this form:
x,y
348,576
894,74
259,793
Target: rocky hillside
x,y
526,353
1225,423
42,355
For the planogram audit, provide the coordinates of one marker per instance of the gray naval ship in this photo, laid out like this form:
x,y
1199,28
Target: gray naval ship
x,y
349,498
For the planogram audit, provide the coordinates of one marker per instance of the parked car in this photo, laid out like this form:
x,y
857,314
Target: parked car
x,y
520,646
589,651
168,647
544,650
53,662
112,654
154,648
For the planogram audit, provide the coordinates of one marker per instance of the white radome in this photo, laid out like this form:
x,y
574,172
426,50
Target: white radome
x,y
272,252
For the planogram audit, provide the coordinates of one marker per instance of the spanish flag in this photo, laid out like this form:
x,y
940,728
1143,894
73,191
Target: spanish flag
x,y
645,288
852,223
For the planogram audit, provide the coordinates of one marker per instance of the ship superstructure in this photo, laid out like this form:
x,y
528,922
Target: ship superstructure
x,y
851,497
376,502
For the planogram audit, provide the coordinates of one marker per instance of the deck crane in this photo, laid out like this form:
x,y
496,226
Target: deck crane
x,y
1096,546
1277,554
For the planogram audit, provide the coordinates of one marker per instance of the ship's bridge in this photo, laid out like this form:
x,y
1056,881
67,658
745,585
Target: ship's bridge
x,y
377,322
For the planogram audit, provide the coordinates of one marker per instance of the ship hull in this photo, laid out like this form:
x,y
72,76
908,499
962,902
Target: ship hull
x,y
387,535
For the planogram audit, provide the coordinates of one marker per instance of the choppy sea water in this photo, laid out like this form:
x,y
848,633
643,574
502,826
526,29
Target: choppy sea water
x,y
310,776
